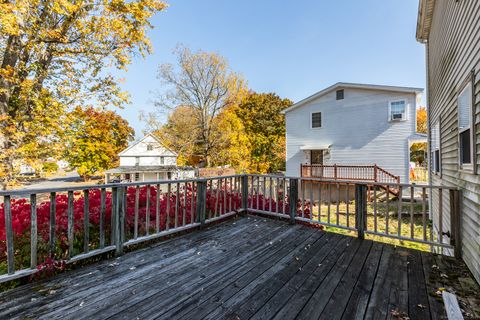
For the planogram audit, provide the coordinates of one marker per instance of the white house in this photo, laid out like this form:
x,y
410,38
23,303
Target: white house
x,y
350,124
148,160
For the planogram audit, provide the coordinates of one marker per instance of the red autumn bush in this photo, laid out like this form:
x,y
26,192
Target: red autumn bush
x,y
218,201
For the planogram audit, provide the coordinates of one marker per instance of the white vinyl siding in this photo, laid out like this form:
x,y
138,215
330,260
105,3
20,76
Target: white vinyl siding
x,y
357,130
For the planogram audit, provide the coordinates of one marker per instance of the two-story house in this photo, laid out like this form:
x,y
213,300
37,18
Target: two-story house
x,y
148,160
353,132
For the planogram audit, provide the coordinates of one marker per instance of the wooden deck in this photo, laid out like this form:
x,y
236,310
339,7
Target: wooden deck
x,y
248,268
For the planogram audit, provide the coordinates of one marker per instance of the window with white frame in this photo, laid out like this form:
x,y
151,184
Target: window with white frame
x,y
316,121
435,150
464,104
397,110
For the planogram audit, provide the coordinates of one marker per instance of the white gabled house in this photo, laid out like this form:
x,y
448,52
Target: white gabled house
x,y
148,160
348,130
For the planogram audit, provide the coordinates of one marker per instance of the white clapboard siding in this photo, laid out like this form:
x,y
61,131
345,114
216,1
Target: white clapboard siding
x,y
357,128
453,52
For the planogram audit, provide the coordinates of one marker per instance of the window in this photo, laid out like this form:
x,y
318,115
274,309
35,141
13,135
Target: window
x,y
137,176
340,94
162,160
137,161
149,147
435,151
397,110
316,120
464,104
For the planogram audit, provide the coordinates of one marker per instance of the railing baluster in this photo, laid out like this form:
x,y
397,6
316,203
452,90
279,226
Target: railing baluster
x,y
177,201
135,219
224,190
424,214
217,197
71,224
302,202
7,208
319,218
284,195
347,203
338,204
276,195
192,204
311,200
169,190
329,191
184,211
230,194
113,226
147,212
53,204
375,224
157,209
399,215
86,221
258,192
264,192
387,209
33,231
440,213
412,190
103,200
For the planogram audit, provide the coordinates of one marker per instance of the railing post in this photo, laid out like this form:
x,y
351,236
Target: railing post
x,y
293,199
245,192
7,209
360,209
201,201
455,223
116,200
375,172
335,171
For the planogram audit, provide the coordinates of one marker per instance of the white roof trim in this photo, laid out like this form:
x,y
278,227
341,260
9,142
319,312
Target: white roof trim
x,y
144,137
342,85
320,147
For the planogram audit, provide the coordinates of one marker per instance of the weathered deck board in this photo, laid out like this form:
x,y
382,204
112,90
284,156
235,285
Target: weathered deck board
x,y
250,268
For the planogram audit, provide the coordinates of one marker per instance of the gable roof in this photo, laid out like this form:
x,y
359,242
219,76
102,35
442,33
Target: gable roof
x,y
342,85
424,19
143,139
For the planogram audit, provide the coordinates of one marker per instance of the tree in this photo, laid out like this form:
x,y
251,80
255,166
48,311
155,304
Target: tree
x,y
204,83
265,129
54,54
94,138
422,120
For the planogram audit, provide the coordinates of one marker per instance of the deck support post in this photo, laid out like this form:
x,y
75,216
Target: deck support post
x,y
244,192
455,223
360,209
116,229
201,201
293,199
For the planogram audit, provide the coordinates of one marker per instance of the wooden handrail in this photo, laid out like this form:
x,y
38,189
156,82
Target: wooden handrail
x,y
348,172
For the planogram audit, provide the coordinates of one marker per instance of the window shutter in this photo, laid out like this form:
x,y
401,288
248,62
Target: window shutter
x,y
465,107
436,136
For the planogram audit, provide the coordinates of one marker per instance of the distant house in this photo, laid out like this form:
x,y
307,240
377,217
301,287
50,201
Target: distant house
x,y
354,132
450,31
148,160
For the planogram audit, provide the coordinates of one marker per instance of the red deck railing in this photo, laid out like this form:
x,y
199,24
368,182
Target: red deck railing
x,y
349,172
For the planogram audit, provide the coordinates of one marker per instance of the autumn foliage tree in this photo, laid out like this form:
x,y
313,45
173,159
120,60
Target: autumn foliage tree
x,y
265,129
204,83
422,120
94,137
54,54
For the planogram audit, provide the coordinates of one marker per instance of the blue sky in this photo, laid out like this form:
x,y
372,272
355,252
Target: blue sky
x,y
292,48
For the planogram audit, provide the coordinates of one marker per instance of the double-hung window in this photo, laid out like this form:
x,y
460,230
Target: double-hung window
x,y
465,132
397,110
316,120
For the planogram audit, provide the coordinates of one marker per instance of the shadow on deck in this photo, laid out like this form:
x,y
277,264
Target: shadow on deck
x,y
246,268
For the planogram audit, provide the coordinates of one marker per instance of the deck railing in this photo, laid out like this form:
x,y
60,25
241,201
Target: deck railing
x,y
72,224
372,173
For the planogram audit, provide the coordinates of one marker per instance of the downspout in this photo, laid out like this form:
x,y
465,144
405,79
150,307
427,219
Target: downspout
x,y
429,127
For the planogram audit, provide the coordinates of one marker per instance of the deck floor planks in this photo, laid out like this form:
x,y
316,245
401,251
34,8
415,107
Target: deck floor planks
x,y
250,268
104,271
180,272
150,304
